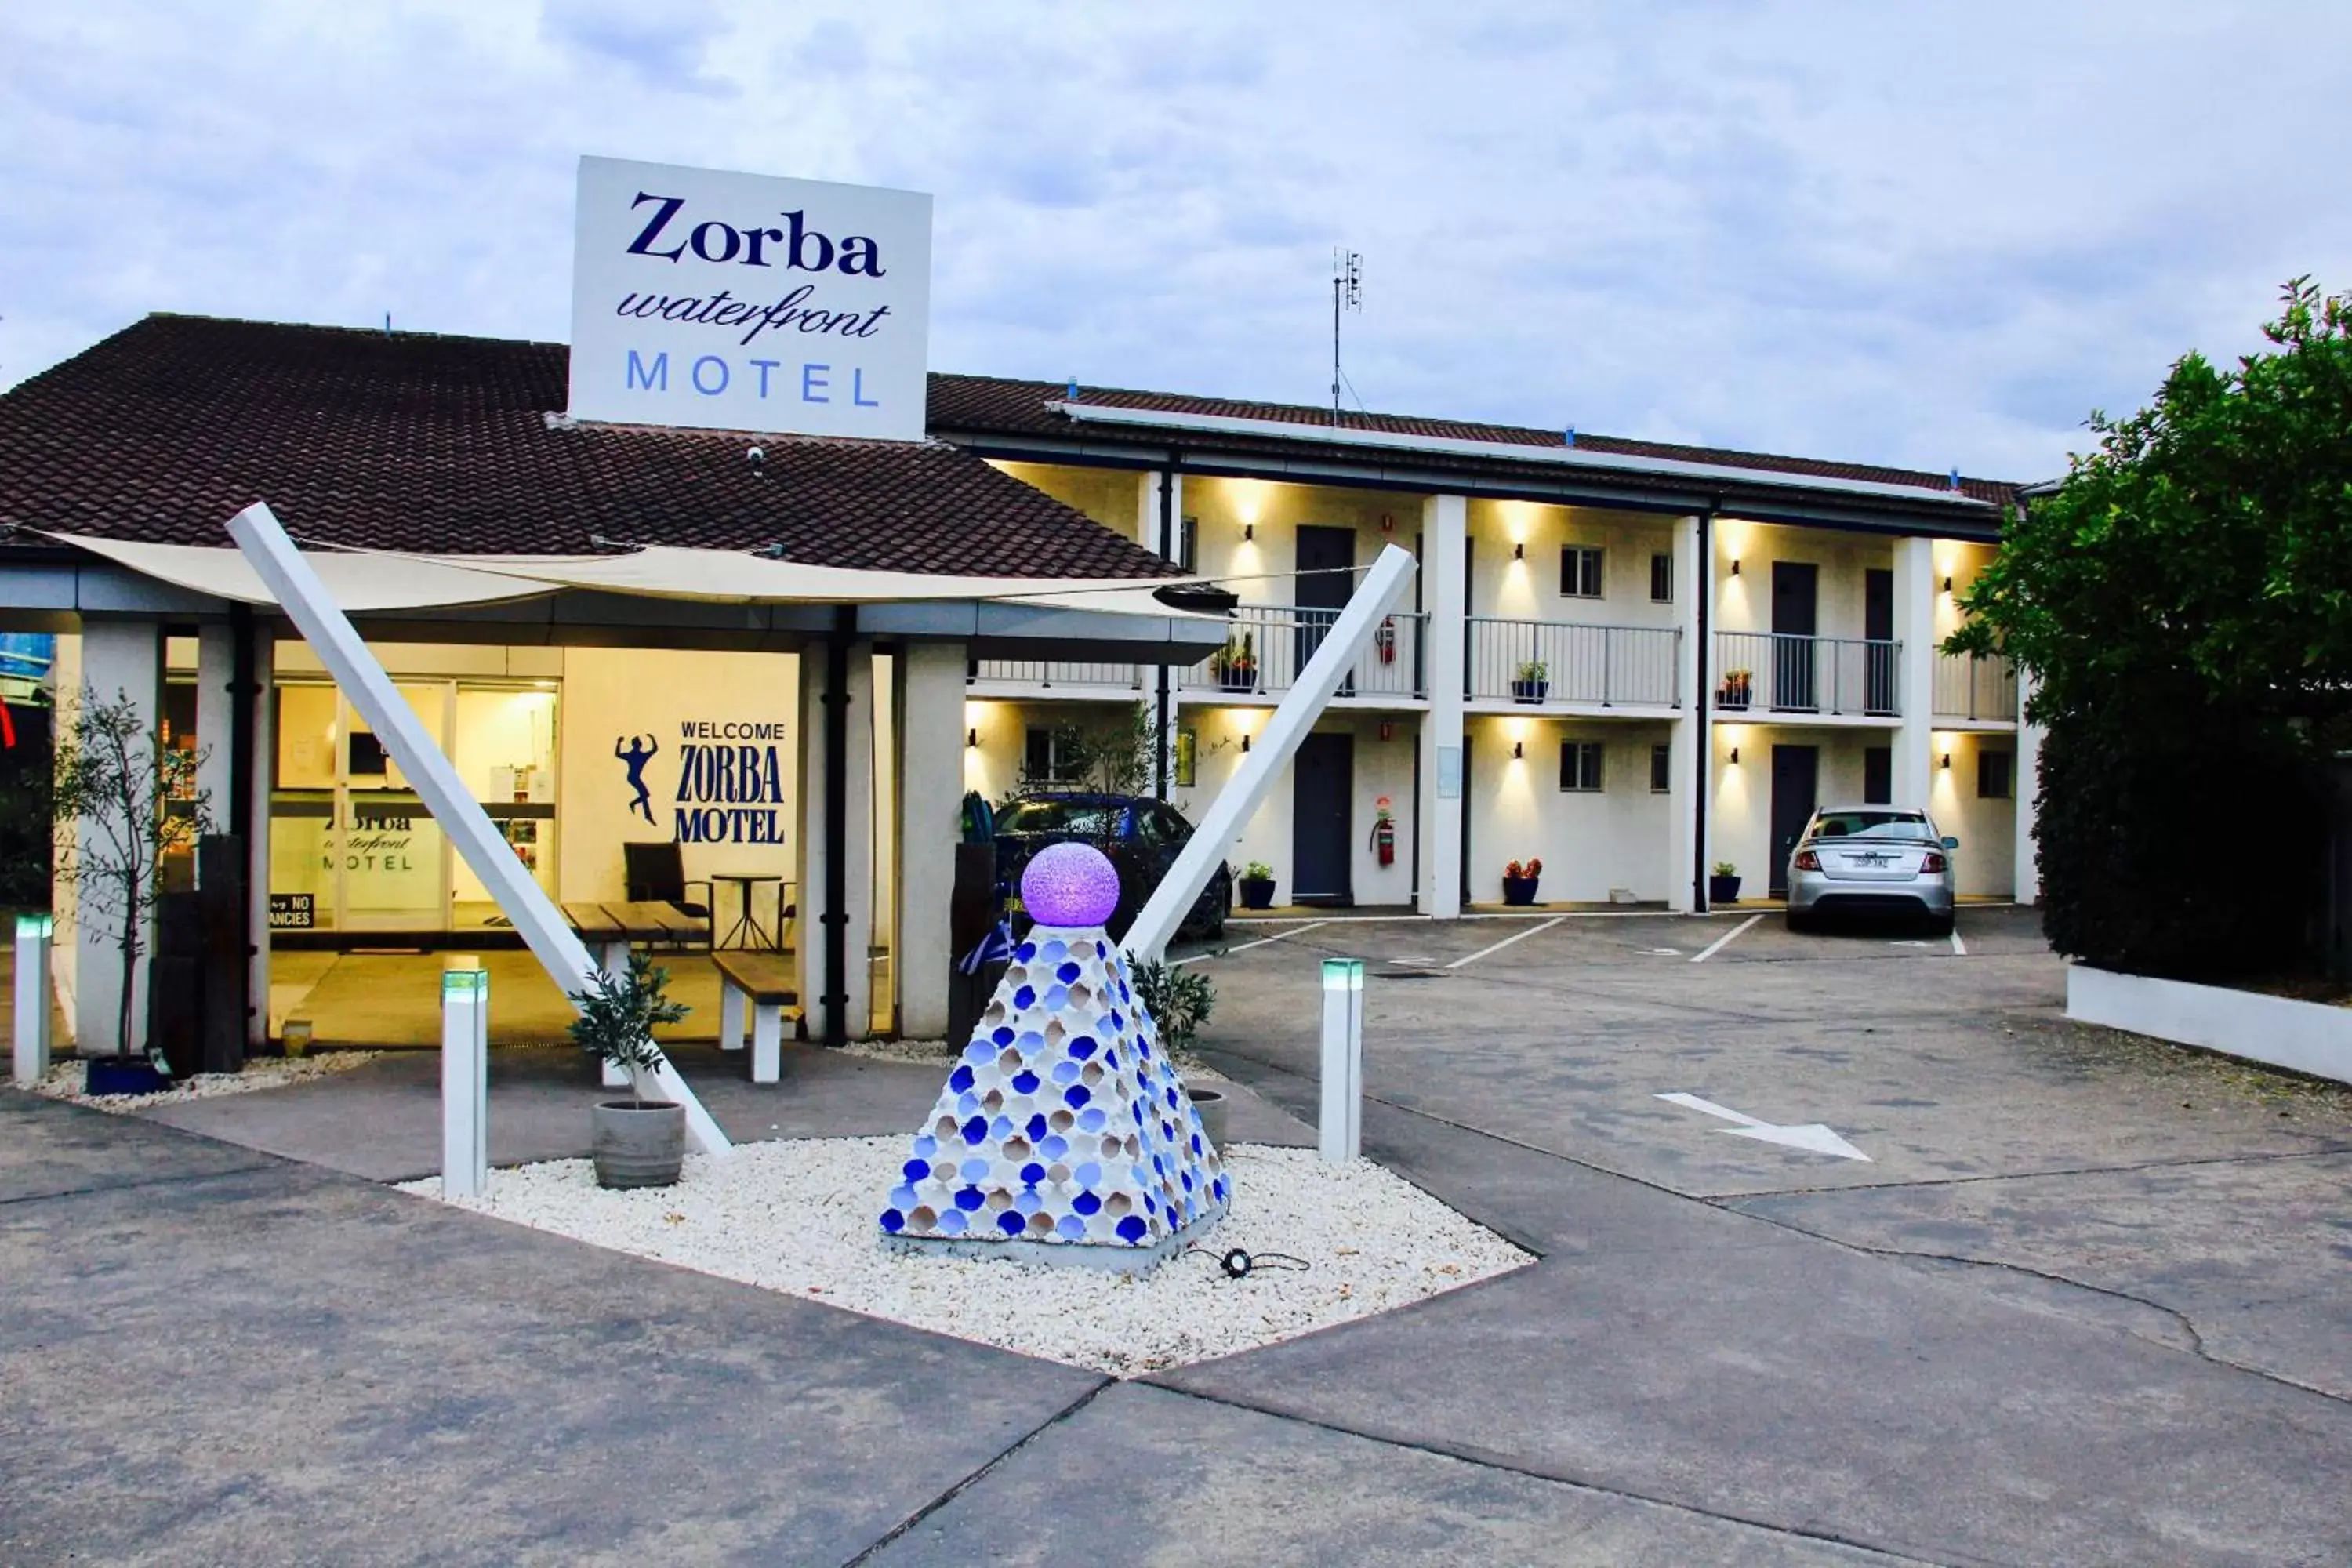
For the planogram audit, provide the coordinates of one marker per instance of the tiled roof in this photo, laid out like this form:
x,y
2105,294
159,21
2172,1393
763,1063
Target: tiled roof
x,y
989,405
417,442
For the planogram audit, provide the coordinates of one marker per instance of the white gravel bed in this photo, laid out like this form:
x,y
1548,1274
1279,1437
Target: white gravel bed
x,y
64,1080
800,1217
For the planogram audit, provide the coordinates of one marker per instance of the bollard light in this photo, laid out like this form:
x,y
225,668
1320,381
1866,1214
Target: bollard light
x,y
465,1082
1340,1135
31,1062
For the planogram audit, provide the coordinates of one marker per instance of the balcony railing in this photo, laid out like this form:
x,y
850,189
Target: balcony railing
x,y
1042,673
1564,662
1975,685
1268,645
1774,672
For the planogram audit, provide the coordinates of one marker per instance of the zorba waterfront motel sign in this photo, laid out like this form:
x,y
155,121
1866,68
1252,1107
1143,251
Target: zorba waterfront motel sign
x,y
732,301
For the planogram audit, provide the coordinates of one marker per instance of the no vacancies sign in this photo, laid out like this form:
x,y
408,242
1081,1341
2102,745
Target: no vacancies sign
x,y
748,303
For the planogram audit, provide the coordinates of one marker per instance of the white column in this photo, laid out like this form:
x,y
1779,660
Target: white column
x,y
1915,629
119,659
1690,737
1340,1129
855,933
216,664
1444,525
257,851
2025,786
931,799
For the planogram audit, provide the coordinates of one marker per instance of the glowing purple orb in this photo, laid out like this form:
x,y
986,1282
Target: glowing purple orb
x,y
1070,885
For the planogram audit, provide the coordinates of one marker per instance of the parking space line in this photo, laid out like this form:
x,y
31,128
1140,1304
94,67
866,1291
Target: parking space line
x,y
1497,947
1958,945
1717,945
1245,946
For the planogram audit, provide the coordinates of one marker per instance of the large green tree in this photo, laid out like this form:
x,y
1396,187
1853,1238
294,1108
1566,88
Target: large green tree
x,y
2183,602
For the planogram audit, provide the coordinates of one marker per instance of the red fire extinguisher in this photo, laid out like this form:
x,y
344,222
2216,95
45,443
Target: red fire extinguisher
x,y
1384,834
1384,639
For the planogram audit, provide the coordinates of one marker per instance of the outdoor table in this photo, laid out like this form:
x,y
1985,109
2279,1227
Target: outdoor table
x,y
747,924
652,920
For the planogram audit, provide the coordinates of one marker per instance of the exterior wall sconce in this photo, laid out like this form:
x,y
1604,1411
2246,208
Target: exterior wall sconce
x,y
1518,750
971,737
1947,585
1244,740
1735,565
1249,533
1947,761
1735,756
1519,550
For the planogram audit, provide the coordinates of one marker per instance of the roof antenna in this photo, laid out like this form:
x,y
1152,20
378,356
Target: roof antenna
x,y
1348,290
1074,390
387,323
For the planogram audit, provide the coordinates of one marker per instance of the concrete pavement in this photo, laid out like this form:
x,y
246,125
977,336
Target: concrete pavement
x,y
2084,1303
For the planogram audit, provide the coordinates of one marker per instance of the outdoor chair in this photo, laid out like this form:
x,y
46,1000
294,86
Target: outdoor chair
x,y
656,873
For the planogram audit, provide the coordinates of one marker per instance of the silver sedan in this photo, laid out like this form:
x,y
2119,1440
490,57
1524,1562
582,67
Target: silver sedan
x,y
1881,858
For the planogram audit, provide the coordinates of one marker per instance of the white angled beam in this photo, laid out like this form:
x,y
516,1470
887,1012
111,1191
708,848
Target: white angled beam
x,y
543,928
1242,795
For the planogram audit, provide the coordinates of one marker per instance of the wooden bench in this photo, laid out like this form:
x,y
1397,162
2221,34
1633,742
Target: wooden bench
x,y
768,982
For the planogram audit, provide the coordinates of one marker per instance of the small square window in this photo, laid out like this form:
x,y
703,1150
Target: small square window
x,y
1580,765
1662,769
1661,578
1049,757
1580,571
1992,775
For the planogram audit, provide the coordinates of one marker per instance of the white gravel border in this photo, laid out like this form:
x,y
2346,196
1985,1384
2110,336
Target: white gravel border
x,y
64,1080
799,1216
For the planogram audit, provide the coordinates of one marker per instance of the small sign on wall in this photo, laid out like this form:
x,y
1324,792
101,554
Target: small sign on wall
x,y
735,301
293,912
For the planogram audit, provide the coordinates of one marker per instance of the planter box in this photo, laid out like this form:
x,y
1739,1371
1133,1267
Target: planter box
x,y
2306,1037
122,1075
1257,893
1529,690
1722,889
1238,679
1520,890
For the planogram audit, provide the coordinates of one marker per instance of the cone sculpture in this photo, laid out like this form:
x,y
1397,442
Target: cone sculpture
x,y
1063,1134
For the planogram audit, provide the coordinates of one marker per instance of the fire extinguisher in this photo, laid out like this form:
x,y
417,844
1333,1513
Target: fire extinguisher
x,y
1384,834
1384,639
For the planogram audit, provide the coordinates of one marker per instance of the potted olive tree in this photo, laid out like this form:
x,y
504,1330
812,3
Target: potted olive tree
x,y
639,1142
131,800
1256,885
1723,887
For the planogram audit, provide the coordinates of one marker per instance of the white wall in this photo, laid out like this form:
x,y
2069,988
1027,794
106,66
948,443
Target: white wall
x,y
1501,585
1589,842
611,693
1740,830
1986,862
1744,603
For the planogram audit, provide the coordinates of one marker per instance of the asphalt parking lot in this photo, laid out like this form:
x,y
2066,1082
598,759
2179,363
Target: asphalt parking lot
x,y
2080,1300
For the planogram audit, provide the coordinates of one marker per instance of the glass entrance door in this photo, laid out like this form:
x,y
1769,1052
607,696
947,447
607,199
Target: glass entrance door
x,y
351,847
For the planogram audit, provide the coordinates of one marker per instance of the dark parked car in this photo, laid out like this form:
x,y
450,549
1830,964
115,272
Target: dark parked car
x,y
1141,836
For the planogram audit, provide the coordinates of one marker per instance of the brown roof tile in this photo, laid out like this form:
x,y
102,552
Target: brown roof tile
x,y
418,442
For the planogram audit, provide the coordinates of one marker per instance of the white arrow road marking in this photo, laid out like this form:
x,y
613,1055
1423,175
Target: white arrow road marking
x,y
1711,948
1958,945
1812,1136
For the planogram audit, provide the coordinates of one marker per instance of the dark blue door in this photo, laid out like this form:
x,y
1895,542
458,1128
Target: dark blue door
x,y
1322,820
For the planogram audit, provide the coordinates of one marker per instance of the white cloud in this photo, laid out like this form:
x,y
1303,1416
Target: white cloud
x,y
1927,235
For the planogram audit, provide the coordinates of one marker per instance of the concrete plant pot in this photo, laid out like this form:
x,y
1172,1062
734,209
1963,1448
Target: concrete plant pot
x,y
1212,1105
638,1146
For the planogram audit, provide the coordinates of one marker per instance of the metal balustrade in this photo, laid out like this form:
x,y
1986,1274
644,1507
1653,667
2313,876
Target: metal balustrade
x,y
1267,645
1541,662
1773,672
1975,685
1049,674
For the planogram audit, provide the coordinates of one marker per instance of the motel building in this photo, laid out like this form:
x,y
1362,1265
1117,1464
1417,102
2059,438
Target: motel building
x,y
1627,660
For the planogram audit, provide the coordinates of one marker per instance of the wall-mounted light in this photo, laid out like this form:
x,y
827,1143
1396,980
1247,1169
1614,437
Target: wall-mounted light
x,y
1519,550
1947,585
1735,565
971,737
1244,740
1518,750
1735,756
1249,533
1947,759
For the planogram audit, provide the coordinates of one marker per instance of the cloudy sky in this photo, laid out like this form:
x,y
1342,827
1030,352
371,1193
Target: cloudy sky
x,y
1928,234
